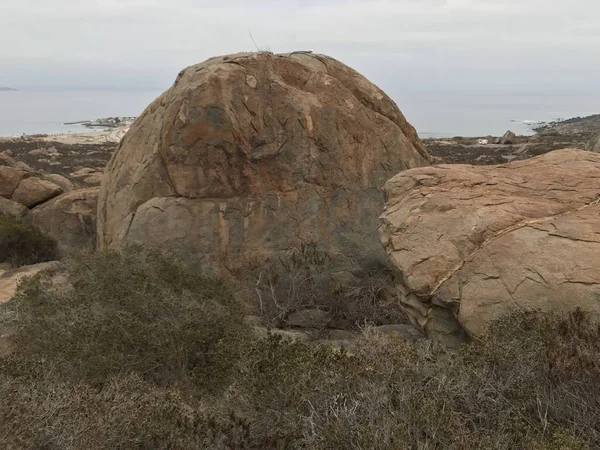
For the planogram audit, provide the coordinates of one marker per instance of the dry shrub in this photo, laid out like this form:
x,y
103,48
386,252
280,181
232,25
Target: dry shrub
x,y
300,280
22,244
125,413
500,392
143,353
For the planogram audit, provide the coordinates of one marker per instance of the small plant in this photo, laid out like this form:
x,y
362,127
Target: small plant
x,y
22,244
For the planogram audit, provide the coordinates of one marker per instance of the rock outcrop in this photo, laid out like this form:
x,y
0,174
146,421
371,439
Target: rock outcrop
x,y
473,243
249,155
26,187
38,199
508,138
70,218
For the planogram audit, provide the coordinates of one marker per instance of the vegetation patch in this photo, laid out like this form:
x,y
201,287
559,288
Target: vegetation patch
x,y
22,244
133,351
133,311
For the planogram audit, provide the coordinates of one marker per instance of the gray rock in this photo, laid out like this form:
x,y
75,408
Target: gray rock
x,y
508,138
309,318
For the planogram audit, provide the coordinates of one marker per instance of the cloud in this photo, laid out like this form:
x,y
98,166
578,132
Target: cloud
x,y
435,43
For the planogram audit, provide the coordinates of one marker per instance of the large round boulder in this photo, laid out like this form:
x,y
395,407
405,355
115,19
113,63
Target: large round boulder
x,y
250,155
474,243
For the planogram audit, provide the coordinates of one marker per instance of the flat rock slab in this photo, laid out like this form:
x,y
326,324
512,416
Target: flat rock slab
x,y
481,241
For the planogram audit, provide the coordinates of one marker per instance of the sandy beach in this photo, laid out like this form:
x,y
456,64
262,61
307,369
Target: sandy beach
x,y
91,137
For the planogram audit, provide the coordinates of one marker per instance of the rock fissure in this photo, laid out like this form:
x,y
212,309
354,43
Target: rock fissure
x,y
517,226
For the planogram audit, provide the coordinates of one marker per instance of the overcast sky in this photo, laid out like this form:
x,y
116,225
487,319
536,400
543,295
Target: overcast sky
x,y
426,44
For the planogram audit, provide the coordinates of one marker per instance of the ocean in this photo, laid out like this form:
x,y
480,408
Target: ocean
x,y
40,112
433,114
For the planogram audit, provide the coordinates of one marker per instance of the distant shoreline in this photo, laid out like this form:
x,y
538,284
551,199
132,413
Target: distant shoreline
x,y
7,89
109,135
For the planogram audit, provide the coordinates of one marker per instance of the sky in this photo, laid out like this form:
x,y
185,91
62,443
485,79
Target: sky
x,y
474,45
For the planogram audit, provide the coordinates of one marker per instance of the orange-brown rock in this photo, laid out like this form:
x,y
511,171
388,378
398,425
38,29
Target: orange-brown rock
x,y
473,243
33,191
26,187
249,155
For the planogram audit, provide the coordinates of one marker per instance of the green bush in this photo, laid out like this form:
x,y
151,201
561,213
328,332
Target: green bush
x,y
22,244
132,311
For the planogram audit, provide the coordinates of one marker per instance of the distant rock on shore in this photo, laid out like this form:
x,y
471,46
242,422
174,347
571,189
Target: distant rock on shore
x,y
6,89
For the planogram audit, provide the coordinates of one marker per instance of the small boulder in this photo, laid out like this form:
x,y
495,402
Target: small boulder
x,y
12,209
84,172
65,184
94,179
10,178
309,318
6,159
509,138
33,191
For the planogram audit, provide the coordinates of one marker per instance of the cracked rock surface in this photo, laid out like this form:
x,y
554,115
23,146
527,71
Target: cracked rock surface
x,y
473,243
249,155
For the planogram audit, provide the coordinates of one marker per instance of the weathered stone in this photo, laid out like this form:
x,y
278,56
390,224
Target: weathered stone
x,y
340,335
83,172
6,159
65,184
508,138
33,190
477,242
70,218
94,179
309,318
10,178
12,209
250,155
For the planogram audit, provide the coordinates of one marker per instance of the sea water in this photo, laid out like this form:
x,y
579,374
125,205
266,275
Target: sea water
x,y
432,113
